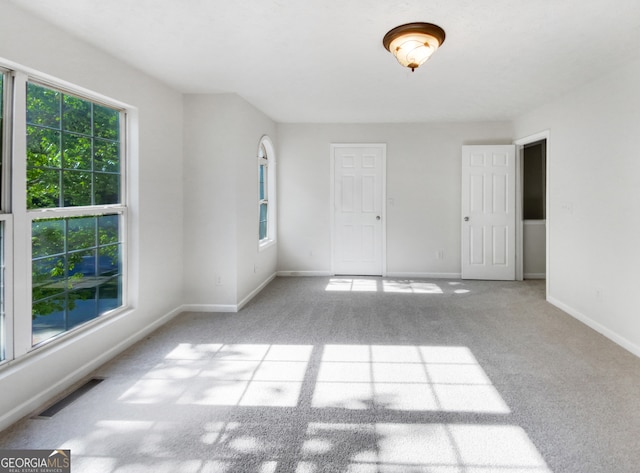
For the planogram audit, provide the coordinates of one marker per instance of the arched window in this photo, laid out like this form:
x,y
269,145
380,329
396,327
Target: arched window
x,y
266,193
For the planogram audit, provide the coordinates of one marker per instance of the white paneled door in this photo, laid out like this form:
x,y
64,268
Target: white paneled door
x,y
358,220
488,212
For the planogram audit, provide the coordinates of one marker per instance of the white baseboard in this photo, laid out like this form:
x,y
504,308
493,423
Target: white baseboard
x,y
597,326
30,405
535,276
304,273
256,291
425,275
388,275
210,308
229,307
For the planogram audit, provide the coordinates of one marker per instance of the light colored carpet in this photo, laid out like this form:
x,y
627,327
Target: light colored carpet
x,y
360,375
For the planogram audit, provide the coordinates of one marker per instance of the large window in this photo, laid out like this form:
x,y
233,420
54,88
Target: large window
x,y
68,211
73,160
266,193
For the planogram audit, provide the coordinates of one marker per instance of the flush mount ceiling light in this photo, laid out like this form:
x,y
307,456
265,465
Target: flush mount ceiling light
x,y
412,44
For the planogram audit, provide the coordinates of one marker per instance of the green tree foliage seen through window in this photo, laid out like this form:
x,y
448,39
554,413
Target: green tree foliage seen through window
x,y
73,151
73,160
71,255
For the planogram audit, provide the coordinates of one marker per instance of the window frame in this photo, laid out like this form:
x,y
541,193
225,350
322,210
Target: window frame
x,y
17,219
5,154
263,193
266,157
6,220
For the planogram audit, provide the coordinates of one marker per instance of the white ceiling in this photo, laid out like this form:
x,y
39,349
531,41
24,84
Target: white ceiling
x,y
323,60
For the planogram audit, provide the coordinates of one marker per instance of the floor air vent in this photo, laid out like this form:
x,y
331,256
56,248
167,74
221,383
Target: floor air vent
x,y
68,399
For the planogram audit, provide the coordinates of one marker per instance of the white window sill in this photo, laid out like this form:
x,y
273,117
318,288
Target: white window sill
x,y
264,244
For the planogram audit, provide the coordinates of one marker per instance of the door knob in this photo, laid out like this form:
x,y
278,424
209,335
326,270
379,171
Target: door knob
x,y
466,219
377,217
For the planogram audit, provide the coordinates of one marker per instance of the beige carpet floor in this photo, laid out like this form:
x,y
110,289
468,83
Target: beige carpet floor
x,y
360,375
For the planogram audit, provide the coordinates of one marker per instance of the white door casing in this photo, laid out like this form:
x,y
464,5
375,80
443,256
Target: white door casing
x,y
358,187
488,212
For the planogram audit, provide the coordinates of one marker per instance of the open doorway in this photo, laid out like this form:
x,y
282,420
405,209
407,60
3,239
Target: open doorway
x,y
532,208
534,218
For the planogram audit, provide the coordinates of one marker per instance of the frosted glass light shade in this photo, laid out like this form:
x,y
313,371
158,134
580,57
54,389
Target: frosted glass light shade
x,y
412,44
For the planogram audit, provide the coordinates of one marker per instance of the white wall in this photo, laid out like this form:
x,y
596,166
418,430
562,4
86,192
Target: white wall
x,y
423,192
534,256
221,137
594,198
209,200
157,240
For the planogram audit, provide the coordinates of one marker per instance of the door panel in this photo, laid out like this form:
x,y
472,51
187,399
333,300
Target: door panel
x,y
358,178
477,193
500,246
488,211
477,245
347,191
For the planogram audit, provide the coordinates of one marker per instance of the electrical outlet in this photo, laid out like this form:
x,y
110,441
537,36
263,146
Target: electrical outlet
x,y
218,280
440,254
567,207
